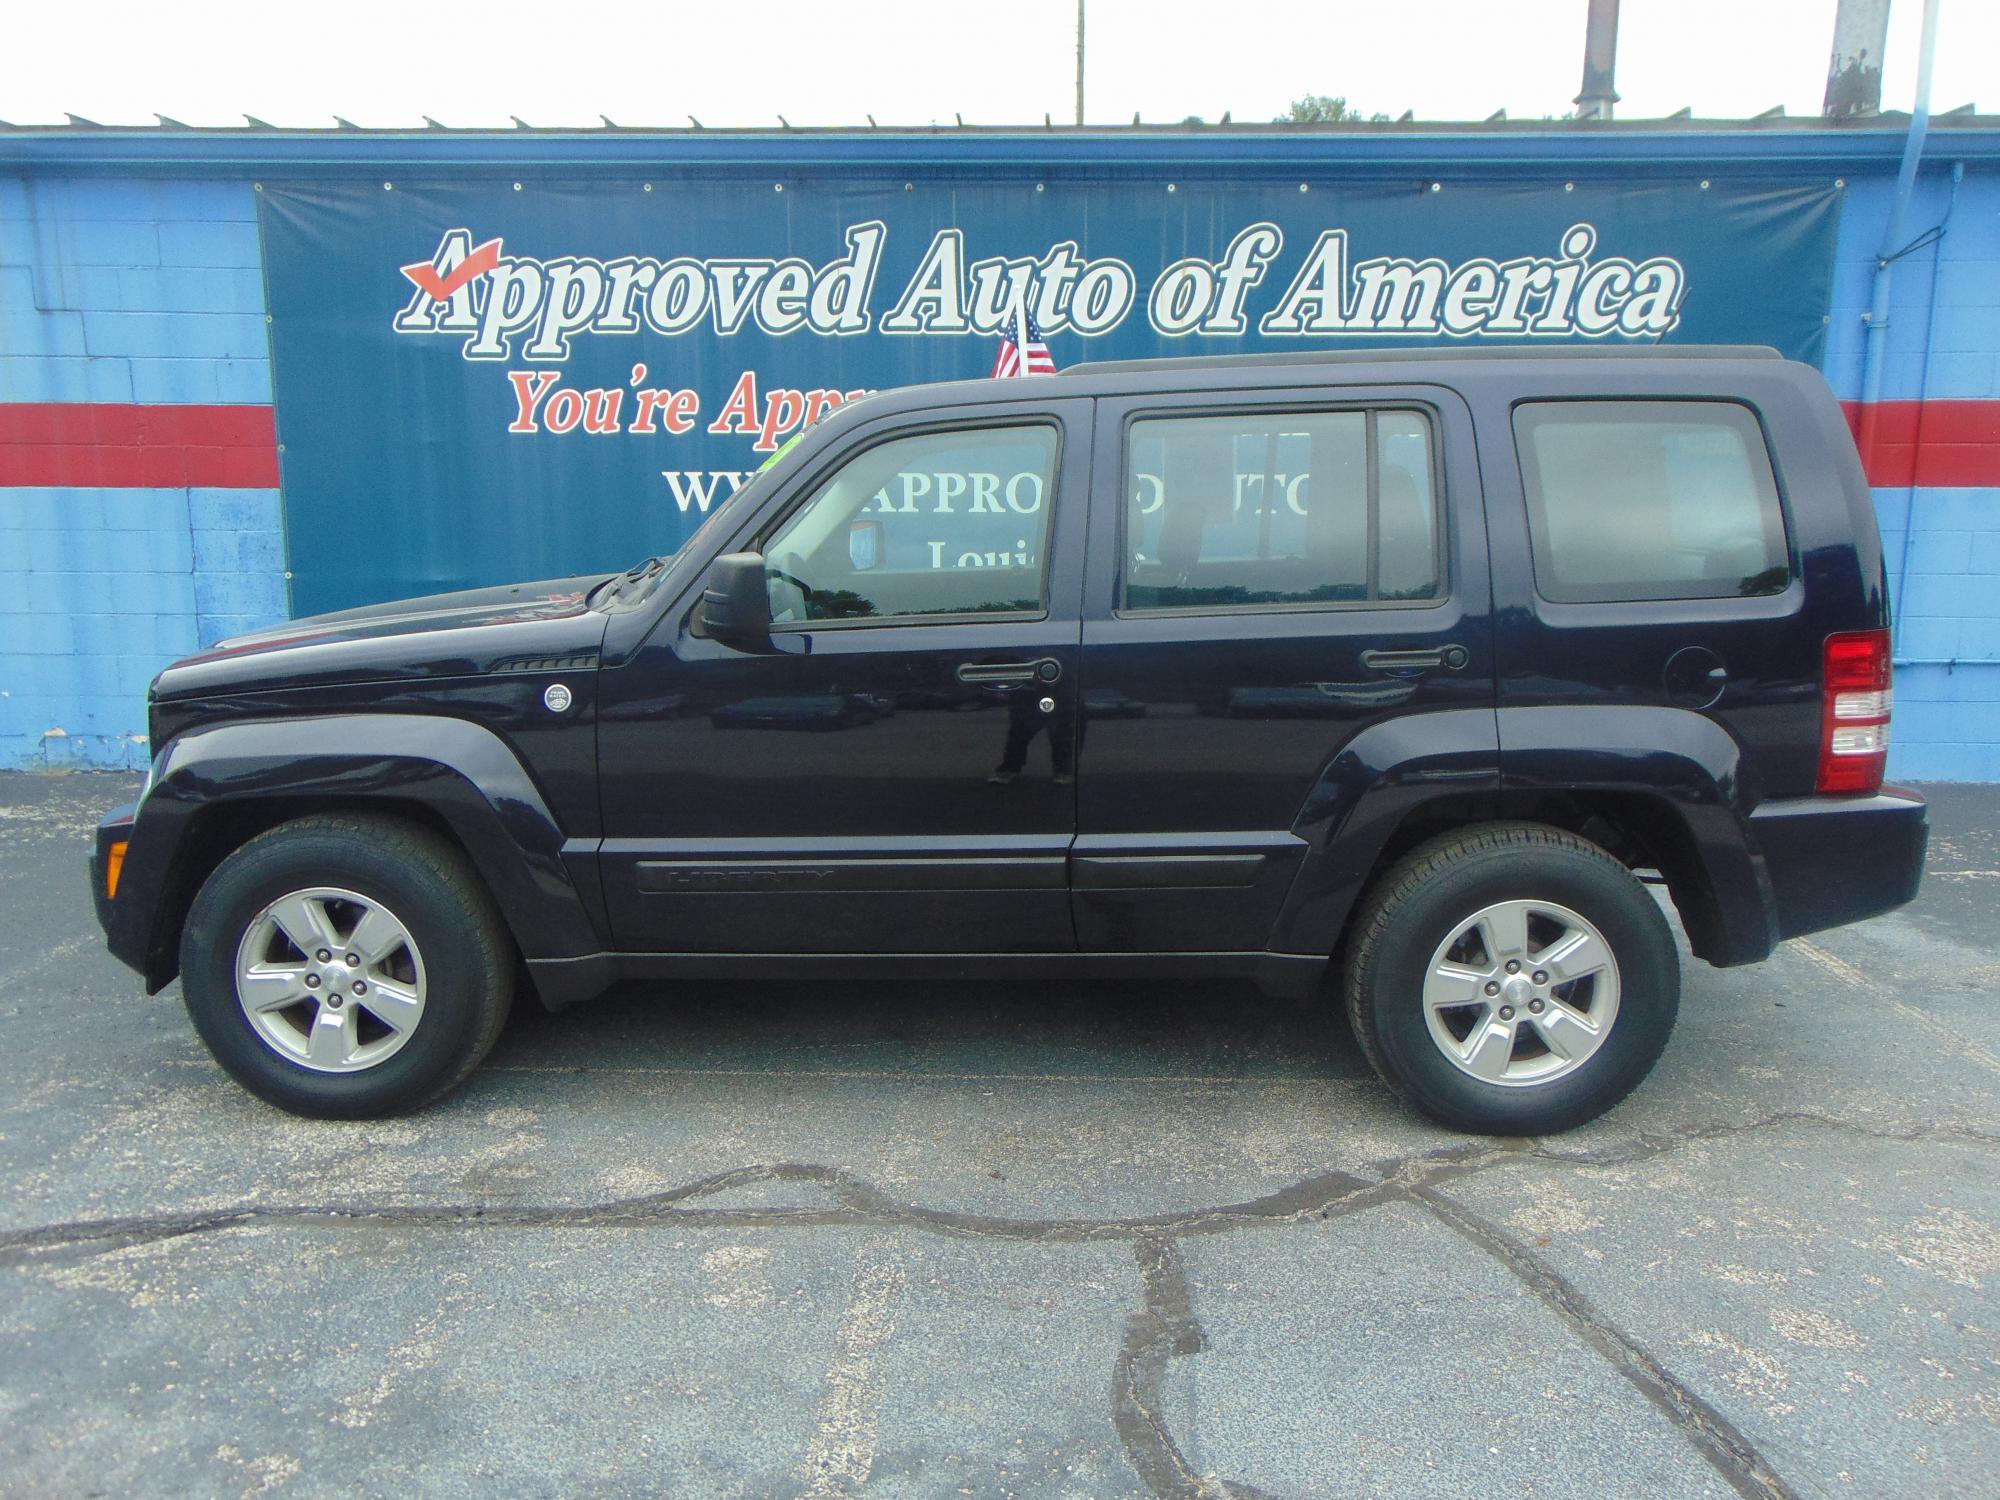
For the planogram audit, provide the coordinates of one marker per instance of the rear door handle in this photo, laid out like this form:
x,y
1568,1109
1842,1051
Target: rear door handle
x,y
1422,659
1048,669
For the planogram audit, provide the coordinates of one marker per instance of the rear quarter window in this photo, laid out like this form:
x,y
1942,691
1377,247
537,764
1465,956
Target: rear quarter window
x,y
1650,500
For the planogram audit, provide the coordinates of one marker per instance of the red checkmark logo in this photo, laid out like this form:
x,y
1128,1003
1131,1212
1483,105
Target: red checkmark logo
x,y
440,288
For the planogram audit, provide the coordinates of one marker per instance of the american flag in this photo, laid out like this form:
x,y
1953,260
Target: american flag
x,y
1022,356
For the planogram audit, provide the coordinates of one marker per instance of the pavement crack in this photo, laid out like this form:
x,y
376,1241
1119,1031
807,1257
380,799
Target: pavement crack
x,y
1713,1435
851,1201
1469,1158
1648,1144
1164,1328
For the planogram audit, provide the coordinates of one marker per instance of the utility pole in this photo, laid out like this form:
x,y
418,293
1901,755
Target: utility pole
x,y
1600,60
1854,71
1079,62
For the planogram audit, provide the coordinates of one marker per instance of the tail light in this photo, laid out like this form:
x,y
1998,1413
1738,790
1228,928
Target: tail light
x,y
1854,711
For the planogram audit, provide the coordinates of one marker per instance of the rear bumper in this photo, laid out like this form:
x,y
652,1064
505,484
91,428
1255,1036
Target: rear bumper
x,y
1832,860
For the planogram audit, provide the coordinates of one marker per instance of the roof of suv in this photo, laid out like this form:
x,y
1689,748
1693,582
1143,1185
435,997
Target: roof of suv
x,y
1317,357
1118,377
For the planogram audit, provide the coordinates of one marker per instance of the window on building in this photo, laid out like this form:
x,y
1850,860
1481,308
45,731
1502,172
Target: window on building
x,y
947,523
1297,509
1650,500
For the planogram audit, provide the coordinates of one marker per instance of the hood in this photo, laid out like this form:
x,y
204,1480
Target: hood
x,y
509,628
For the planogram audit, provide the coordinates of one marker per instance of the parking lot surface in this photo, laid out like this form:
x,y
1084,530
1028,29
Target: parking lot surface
x,y
1066,1240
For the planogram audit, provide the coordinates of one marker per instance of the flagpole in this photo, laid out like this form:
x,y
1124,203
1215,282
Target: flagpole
x,y
1079,62
1021,314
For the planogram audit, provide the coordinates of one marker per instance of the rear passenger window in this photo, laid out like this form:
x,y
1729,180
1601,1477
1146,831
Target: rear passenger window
x,y
1650,500
1272,510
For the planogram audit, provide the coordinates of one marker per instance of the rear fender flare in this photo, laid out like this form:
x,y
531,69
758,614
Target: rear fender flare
x,y
1686,765
1689,765
1371,785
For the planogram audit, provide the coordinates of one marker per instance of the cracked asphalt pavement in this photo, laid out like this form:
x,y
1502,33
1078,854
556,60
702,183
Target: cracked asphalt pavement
x,y
1077,1240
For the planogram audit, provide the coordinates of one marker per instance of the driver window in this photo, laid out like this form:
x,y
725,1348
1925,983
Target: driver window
x,y
948,523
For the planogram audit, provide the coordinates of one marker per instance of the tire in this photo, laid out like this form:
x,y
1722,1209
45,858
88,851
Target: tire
x,y
1444,917
442,966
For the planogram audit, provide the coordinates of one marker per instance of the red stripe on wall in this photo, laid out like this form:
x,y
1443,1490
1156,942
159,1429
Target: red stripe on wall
x,y
92,444
86,444
1953,443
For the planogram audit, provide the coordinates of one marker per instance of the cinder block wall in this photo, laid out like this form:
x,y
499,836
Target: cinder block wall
x,y
133,347
1939,505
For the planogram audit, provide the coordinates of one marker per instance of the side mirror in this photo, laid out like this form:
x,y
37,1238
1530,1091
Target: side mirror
x,y
736,602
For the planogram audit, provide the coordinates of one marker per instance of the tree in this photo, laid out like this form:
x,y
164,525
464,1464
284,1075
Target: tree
x,y
1324,109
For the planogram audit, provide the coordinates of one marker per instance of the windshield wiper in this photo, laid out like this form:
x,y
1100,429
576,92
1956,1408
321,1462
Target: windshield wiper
x,y
614,586
611,588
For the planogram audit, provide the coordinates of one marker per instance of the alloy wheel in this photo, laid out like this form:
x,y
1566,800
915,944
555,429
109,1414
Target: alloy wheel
x,y
1521,993
330,979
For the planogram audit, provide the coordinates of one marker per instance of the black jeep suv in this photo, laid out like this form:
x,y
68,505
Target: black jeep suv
x,y
1405,669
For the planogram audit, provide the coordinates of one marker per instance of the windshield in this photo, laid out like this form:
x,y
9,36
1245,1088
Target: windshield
x,y
637,581
716,513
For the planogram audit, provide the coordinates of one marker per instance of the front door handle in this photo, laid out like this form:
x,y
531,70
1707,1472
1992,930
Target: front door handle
x,y
1420,660
986,673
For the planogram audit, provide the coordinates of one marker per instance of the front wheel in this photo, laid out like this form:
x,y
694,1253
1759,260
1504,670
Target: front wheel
x,y
346,966
1512,979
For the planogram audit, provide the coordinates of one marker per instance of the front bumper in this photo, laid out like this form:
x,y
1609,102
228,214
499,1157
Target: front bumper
x,y
122,929
1833,860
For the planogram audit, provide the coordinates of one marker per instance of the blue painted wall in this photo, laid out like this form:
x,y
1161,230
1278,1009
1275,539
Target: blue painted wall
x,y
121,291
150,290
1943,544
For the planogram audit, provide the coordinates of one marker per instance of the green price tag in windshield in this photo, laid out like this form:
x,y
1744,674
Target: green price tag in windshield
x,y
783,448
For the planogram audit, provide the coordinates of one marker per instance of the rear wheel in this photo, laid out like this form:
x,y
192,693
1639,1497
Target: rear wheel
x,y
1512,979
346,966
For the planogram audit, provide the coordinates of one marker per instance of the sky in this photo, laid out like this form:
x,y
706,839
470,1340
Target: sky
x,y
924,62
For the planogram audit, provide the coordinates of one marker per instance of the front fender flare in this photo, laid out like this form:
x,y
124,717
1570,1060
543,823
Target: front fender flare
x,y
463,773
